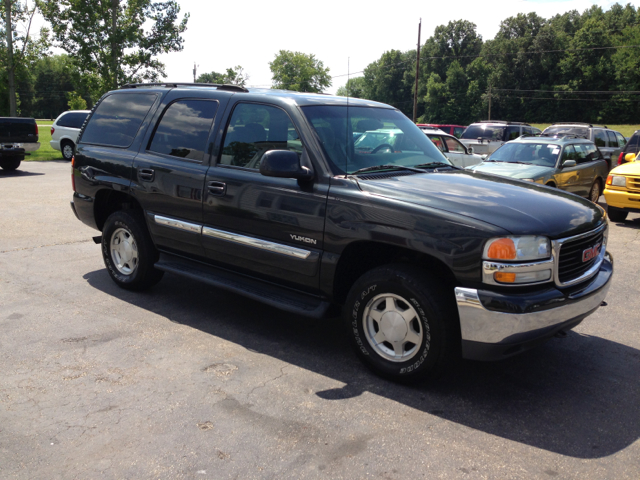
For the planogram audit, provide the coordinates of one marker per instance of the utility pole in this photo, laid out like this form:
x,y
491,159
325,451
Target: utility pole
x,y
10,66
489,117
415,93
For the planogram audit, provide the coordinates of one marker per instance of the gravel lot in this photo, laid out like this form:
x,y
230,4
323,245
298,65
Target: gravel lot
x,y
186,381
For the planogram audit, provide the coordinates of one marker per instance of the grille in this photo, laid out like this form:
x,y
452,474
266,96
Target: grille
x,y
570,264
633,183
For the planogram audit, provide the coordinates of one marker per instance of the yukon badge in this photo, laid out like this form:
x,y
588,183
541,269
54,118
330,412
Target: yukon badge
x,y
590,253
298,238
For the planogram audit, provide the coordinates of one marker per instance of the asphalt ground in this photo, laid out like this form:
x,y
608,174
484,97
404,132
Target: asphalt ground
x,y
186,381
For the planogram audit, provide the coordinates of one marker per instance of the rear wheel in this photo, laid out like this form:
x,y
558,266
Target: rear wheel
x,y
128,252
67,148
11,163
617,215
594,194
402,324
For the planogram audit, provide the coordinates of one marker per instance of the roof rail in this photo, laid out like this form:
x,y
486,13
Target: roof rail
x,y
563,135
505,122
580,124
219,86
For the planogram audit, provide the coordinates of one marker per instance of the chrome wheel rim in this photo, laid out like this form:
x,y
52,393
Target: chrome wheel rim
x,y
67,151
124,251
595,192
392,327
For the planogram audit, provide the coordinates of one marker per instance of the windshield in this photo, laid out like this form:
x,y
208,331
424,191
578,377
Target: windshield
x,y
486,132
541,154
567,130
370,137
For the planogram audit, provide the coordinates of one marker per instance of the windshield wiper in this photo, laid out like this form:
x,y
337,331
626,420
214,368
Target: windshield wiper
x,y
386,167
436,164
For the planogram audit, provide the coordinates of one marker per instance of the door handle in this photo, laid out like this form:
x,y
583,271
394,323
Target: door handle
x,y
146,174
217,188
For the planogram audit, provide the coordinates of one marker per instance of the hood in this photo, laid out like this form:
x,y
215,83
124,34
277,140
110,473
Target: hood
x,y
514,170
630,168
521,208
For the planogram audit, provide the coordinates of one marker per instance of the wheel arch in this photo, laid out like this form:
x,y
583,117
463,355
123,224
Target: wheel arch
x,y
360,257
109,201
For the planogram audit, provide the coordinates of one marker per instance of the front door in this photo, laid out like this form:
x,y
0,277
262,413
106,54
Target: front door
x,y
266,226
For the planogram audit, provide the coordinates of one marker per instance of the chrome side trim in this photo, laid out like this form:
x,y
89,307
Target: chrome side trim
x,y
489,268
257,243
556,245
179,224
477,324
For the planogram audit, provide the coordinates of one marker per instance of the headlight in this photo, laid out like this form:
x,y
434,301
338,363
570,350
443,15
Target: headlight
x,y
517,249
617,181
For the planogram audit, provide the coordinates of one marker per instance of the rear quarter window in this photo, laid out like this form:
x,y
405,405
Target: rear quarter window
x,y
117,119
73,119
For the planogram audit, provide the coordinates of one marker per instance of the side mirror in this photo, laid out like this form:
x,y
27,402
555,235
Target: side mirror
x,y
569,163
284,164
629,157
470,150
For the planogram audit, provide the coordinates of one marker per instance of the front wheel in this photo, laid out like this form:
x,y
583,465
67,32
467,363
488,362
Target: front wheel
x,y
128,252
402,324
594,193
617,215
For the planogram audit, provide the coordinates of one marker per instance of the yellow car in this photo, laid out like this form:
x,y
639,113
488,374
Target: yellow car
x,y
622,191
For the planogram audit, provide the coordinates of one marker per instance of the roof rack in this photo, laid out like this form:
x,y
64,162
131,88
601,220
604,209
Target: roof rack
x,y
504,122
581,124
219,86
563,135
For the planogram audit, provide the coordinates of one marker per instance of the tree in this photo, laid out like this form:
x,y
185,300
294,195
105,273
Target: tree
x,y
233,76
299,72
18,51
116,40
391,79
76,102
355,88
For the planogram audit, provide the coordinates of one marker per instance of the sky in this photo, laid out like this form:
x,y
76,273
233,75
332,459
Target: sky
x,y
345,35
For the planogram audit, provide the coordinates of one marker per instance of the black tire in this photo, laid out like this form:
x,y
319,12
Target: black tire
x,y
617,215
10,164
67,148
434,324
128,251
595,192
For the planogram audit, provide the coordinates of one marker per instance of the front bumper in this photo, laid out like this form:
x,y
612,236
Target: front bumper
x,y
496,326
622,199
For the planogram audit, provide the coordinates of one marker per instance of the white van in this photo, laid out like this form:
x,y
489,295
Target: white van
x,y
65,130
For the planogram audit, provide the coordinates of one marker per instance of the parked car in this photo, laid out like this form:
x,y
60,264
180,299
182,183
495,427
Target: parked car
x,y
18,137
455,130
622,191
488,135
452,148
571,164
65,131
263,193
608,141
630,150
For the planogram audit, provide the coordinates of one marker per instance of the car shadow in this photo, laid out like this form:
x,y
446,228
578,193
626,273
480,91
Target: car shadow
x,y
576,395
18,173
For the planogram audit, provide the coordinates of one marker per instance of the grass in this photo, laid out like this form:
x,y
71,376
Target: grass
x,y
45,152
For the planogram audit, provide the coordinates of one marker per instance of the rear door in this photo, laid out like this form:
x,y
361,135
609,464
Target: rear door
x,y
170,170
265,226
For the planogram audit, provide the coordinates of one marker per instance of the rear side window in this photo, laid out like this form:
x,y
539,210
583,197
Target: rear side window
x,y
591,152
512,133
457,131
438,141
117,119
454,146
73,119
621,141
184,128
599,138
633,142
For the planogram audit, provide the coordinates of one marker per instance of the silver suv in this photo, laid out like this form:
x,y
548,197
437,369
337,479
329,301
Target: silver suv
x,y
488,135
65,130
608,141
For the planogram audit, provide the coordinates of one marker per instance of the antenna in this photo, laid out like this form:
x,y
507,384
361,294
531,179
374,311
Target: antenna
x,y
346,124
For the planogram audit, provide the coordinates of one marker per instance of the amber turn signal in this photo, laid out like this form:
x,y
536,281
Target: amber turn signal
x,y
504,277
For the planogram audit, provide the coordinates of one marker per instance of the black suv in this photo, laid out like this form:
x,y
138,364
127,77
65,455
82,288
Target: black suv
x,y
261,192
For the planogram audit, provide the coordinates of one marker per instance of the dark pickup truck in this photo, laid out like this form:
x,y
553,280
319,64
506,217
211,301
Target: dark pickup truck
x,y
262,193
18,136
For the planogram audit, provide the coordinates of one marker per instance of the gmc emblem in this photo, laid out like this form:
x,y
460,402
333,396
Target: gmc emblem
x,y
590,253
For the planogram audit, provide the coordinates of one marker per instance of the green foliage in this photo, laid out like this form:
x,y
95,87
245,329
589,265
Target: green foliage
x,y
76,102
117,42
355,88
233,76
299,72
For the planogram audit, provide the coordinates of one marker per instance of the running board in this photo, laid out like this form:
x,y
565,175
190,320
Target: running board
x,y
273,295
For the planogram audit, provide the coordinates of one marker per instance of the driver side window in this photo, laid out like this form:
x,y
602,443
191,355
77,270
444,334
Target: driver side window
x,y
253,130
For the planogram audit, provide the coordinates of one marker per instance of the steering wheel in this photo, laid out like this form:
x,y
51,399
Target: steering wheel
x,y
382,147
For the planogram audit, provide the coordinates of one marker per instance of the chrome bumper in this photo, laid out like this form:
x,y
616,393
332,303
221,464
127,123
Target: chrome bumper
x,y
500,333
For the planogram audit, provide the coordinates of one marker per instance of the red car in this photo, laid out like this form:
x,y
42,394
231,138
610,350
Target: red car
x,y
455,130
